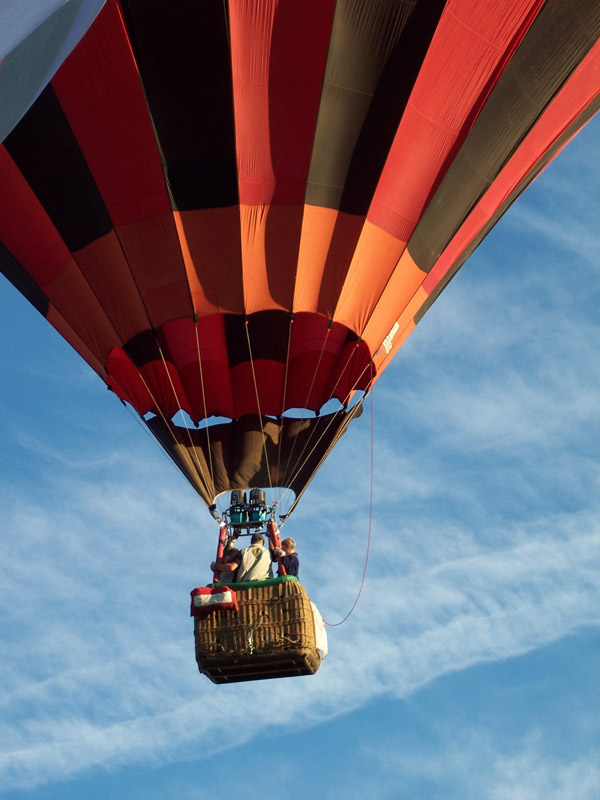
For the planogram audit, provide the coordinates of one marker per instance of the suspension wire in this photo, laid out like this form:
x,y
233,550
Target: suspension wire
x,y
178,401
324,457
226,19
140,421
142,424
194,460
207,426
330,447
362,582
289,460
299,466
312,433
314,378
148,315
262,428
285,380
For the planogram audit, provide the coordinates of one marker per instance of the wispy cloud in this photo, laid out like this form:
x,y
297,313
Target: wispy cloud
x,y
105,675
476,766
484,548
529,776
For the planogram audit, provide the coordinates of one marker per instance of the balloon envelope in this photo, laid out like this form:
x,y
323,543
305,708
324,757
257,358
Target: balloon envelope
x,y
233,210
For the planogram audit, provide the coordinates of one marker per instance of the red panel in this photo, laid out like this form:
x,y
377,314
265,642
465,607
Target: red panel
x,y
165,387
71,293
269,383
468,52
279,50
314,349
209,393
107,111
125,380
156,386
25,229
200,354
353,371
311,379
66,331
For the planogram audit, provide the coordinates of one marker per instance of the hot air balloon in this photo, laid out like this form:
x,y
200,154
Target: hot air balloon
x,y
238,212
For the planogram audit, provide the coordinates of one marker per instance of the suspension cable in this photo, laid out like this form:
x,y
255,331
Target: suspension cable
x,y
285,380
314,377
195,461
309,444
262,427
362,582
208,447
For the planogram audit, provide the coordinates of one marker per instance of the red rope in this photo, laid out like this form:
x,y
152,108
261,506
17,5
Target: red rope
x,y
362,583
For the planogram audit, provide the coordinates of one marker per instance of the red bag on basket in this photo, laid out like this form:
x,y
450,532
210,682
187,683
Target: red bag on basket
x,y
207,598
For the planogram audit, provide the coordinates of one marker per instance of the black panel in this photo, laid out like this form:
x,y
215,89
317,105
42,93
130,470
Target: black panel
x,y
45,150
182,50
147,346
268,332
387,107
557,42
21,280
376,50
587,114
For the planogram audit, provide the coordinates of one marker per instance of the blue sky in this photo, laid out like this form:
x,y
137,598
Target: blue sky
x,y
469,668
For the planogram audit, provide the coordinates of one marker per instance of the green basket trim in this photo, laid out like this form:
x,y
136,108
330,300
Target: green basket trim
x,y
254,584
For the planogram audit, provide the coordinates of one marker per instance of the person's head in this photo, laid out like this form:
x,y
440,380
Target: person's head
x,y
289,545
231,553
257,538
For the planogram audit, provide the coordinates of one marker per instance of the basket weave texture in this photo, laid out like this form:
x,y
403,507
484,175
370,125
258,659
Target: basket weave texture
x,y
271,635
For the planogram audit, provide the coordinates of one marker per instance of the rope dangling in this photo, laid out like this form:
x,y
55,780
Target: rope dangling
x,y
362,583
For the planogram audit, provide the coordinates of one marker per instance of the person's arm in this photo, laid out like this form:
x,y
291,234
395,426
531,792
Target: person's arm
x,y
222,566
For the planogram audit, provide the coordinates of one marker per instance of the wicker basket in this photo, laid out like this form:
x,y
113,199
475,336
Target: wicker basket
x,y
272,635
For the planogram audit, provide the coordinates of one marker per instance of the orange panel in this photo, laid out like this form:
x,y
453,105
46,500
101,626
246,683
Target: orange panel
x,y
210,245
106,269
317,229
344,240
329,239
382,359
403,297
270,244
71,291
398,332
151,246
375,260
